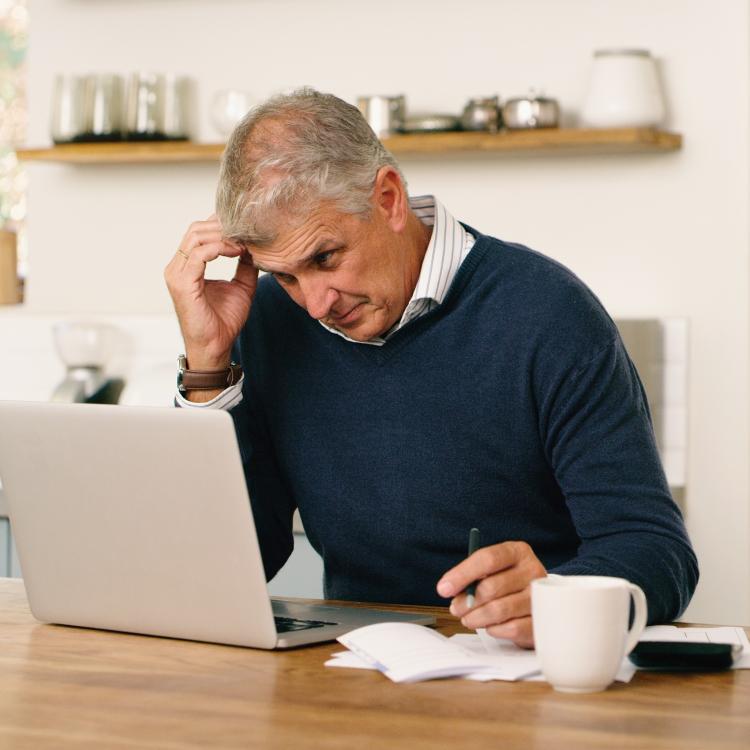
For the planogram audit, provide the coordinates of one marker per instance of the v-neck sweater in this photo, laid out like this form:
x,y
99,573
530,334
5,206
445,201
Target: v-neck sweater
x,y
512,407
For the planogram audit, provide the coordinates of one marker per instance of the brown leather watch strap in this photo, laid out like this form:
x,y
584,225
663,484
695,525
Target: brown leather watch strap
x,y
206,380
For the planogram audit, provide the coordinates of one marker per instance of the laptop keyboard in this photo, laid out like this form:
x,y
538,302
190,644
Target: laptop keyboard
x,y
288,624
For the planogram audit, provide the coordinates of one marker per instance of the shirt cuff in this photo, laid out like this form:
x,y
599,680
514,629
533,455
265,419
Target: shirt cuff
x,y
227,399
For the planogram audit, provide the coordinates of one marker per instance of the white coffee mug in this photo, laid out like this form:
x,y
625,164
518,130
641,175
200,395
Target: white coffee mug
x,y
581,629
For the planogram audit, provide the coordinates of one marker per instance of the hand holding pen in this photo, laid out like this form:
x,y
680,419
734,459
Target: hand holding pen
x,y
490,589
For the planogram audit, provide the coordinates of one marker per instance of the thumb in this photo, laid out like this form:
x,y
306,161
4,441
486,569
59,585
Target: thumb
x,y
246,275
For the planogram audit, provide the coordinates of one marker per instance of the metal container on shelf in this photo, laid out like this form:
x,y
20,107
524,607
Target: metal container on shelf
x,y
384,114
431,123
526,113
482,114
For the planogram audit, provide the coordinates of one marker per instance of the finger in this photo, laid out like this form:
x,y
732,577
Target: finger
x,y
499,585
520,631
213,219
479,565
211,224
246,276
182,269
202,254
513,579
200,235
460,605
498,611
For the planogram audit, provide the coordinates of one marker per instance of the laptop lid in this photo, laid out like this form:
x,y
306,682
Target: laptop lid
x,y
137,519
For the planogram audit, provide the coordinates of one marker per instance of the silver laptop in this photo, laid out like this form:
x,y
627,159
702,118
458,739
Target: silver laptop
x,y
137,519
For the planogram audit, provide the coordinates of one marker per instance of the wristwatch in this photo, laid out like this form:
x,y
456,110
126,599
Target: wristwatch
x,y
205,380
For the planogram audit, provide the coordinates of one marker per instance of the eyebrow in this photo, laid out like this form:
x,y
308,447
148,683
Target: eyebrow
x,y
305,261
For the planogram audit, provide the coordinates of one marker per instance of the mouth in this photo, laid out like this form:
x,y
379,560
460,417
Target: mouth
x,y
347,318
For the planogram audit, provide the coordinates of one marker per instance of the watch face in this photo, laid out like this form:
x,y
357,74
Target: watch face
x,y
181,364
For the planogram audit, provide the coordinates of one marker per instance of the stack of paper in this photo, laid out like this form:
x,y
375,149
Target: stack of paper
x,y
406,652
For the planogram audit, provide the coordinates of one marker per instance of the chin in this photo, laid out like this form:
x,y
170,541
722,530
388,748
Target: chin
x,y
365,331
358,335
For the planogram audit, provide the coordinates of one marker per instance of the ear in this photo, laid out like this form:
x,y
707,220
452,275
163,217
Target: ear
x,y
390,199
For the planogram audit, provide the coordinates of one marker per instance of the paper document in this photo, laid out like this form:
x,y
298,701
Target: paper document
x,y
505,660
405,652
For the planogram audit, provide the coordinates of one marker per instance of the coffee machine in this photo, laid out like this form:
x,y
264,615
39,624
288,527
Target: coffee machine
x,y
84,349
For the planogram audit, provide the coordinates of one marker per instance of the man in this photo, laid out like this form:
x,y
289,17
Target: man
x,y
407,378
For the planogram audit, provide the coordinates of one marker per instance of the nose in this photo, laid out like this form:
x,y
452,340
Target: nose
x,y
318,297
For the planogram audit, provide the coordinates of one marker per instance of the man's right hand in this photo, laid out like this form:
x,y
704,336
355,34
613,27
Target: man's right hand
x,y
211,313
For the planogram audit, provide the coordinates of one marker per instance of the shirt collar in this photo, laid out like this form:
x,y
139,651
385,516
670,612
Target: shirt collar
x,y
444,251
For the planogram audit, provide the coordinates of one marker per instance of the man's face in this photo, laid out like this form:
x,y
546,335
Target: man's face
x,y
355,275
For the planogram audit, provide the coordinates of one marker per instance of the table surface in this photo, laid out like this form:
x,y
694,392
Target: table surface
x,y
72,687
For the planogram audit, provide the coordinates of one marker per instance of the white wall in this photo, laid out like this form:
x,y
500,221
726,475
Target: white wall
x,y
654,235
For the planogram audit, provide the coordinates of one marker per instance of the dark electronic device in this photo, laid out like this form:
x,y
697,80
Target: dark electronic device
x,y
684,656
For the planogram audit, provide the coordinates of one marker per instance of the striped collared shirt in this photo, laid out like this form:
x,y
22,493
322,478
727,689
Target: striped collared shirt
x,y
449,245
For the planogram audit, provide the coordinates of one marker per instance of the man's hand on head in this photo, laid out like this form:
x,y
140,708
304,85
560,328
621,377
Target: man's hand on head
x,y
502,603
211,312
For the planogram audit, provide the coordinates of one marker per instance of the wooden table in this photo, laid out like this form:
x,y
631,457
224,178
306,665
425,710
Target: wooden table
x,y
68,687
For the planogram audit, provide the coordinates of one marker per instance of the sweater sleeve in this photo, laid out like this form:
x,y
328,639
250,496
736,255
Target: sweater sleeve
x,y
599,440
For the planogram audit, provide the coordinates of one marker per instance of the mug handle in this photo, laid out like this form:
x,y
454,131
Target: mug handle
x,y
639,620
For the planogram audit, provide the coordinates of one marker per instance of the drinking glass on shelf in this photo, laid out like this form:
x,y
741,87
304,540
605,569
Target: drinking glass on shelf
x,y
228,107
102,107
67,108
144,106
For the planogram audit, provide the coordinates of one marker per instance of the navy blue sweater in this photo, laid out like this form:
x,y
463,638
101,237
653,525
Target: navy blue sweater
x,y
512,407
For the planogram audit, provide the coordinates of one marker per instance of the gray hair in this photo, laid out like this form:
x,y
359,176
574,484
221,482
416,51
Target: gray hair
x,y
291,153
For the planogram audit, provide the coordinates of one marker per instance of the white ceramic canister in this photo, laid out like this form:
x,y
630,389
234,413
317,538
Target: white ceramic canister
x,y
624,91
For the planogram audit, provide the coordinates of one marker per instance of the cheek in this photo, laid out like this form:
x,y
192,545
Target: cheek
x,y
381,285
294,293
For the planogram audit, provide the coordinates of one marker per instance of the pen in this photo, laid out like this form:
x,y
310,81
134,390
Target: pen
x,y
471,589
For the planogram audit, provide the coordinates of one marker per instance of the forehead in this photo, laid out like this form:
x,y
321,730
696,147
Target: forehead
x,y
300,238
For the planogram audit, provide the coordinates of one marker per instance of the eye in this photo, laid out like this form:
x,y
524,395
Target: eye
x,y
284,278
324,259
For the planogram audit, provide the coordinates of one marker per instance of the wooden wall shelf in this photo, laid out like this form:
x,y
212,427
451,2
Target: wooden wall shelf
x,y
552,141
